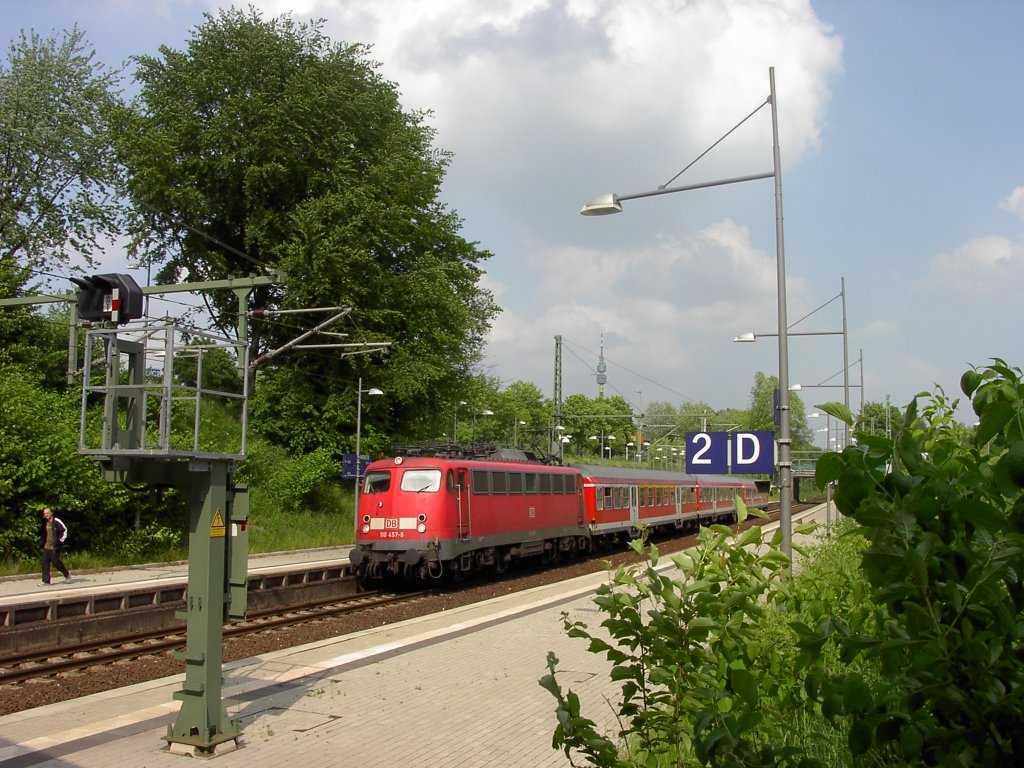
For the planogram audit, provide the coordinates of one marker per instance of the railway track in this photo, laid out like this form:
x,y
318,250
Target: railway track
x,y
27,666
18,668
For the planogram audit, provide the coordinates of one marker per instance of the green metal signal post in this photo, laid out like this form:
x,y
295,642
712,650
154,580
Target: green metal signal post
x,y
151,431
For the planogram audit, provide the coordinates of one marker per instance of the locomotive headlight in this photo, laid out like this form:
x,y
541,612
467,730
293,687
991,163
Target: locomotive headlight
x,y
421,528
366,518
366,529
422,518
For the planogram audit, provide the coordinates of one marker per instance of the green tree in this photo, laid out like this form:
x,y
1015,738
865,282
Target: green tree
x,y
695,417
31,341
521,411
58,178
266,145
659,421
40,466
879,419
763,406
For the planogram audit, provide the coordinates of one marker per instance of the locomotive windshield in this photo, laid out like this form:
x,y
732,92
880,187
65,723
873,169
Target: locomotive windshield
x,y
421,480
376,482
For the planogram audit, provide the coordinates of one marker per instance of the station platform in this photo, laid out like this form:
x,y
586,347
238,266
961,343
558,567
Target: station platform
x,y
457,689
21,588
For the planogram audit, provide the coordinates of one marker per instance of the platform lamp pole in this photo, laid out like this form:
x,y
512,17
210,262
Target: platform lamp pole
x,y
611,203
371,392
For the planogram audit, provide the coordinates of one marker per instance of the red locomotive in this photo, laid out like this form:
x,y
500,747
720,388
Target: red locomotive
x,y
424,518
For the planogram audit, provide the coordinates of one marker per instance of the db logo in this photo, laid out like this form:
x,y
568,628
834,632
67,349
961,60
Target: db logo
x,y
391,523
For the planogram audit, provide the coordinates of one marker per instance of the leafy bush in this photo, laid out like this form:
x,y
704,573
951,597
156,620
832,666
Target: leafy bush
x,y
152,540
944,517
40,466
903,636
304,482
697,673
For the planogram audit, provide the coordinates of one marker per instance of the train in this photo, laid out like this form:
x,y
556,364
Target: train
x,y
422,518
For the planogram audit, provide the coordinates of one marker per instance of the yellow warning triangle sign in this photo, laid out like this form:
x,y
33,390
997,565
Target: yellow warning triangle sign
x,y
217,529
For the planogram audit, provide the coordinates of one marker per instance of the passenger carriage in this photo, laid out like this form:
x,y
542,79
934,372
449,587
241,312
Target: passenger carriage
x,y
625,499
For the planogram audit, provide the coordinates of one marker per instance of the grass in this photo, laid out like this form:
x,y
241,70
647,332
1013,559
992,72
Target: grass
x,y
273,527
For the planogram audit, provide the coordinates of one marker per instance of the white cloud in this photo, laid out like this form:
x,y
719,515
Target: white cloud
x,y
985,265
685,299
1014,203
497,73
534,98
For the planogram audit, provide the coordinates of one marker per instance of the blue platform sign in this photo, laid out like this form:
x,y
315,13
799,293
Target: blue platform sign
x,y
348,466
707,453
742,453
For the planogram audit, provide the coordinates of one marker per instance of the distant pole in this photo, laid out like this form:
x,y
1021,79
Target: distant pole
x,y
359,432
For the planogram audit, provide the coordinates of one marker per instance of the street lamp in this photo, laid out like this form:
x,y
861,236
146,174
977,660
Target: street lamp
x,y
751,336
371,392
602,438
484,412
515,431
612,203
455,422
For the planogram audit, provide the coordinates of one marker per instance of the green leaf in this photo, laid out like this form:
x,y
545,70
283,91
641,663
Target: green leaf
x,y
744,685
838,411
994,418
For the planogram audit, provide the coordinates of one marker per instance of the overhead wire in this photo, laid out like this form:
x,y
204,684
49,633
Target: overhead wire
x,y
628,370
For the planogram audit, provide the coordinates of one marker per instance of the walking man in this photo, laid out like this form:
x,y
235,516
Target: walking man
x,y
54,534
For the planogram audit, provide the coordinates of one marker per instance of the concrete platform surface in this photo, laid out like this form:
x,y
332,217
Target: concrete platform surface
x,y
15,590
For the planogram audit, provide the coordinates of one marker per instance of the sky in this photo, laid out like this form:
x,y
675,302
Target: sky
x,y
902,178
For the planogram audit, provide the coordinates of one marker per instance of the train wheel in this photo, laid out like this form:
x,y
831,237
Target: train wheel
x,y
500,561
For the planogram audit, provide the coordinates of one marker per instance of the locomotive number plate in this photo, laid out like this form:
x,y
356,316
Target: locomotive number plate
x,y
392,534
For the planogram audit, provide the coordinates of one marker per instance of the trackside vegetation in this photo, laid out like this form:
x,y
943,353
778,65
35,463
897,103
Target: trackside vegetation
x,y
897,642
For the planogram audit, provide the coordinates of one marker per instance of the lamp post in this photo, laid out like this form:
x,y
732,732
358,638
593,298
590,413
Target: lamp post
x,y
455,422
371,392
602,438
484,412
751,336
515,431
612,203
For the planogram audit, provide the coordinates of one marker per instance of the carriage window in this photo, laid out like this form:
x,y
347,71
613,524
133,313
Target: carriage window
x,y
642,498
599,496
376,482
499,482
481,481
531,482
650,497
607,498
515,482
421,480
449,481
545,483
